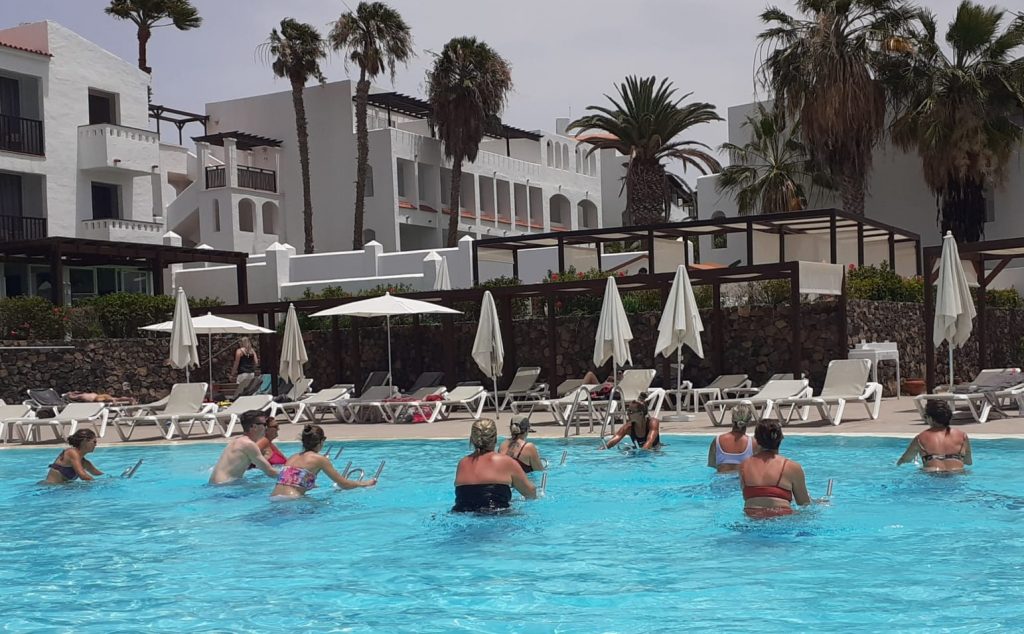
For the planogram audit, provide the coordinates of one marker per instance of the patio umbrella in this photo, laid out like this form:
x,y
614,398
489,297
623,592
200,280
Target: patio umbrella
x,y
954,308
488,350
209,325
442,281
613,333
680,325
293,349
385,306
184,346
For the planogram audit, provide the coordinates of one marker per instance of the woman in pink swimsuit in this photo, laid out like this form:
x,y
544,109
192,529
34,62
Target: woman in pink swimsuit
x,y
267,447
299,473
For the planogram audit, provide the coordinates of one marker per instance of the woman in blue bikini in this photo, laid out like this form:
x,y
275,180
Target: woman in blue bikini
x,y
72,464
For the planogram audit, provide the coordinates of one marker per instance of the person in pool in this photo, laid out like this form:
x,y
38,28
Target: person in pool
x,y
484,479
267,447
770,482
243,451
516,445
640,426
72,464
942,449
729,450
299,473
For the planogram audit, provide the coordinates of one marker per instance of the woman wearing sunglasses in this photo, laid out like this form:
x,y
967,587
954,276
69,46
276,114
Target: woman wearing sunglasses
x,y
640,426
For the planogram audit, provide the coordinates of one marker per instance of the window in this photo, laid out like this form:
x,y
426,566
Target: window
x,y
106,201
10,195
83,282
135,281
246,211
400,168
101,107
269,211
10,97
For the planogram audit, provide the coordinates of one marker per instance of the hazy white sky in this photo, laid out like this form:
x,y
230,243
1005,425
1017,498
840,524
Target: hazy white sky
x,y
565,54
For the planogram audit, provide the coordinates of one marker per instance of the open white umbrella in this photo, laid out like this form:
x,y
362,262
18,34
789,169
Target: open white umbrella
x,y
488,350
184,352
442,280
385,306
613,333
680,326
293,349
209,325
954,308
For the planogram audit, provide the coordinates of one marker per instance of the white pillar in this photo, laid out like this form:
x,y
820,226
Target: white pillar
x,y
371,252
230,163
157,182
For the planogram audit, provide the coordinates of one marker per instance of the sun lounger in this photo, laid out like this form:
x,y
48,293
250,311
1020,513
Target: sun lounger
x,y
315,403
9,413
227,418
763,401
742,392
986,391
524,386
845,382
563,409
73,415
635,385
471,397
694,397
425,379
45,399
351,410
184,403
375,379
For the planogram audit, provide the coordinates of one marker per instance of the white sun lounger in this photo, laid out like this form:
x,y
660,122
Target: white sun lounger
x,y
184,403
635,385
73,415
763,401
721,387
373,399
9,413
524,387
563,409
845,382
470,397
227,418
314,404
980,403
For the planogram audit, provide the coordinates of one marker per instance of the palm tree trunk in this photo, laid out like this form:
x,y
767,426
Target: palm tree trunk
x,y
851,188
362,158
453,219
143,36
963,210
645,192
302,132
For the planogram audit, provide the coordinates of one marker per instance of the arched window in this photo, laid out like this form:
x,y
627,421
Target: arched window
x,y
246,215
586,210
560,210
269,217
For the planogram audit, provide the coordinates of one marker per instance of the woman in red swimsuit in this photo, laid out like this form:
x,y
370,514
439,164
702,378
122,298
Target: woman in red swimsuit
x,y
771,482
267,447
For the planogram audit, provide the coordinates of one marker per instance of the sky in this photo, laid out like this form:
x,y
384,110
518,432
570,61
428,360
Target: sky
x,y
565,54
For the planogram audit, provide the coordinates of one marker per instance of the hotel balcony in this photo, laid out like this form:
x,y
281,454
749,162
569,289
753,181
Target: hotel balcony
x,y
120,230
21,135
108,147
21,228
257,178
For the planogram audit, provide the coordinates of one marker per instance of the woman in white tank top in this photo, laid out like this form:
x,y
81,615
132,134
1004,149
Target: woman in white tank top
x,y
734,446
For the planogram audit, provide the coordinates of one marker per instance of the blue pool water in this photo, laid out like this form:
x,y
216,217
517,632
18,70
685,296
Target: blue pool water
x,y
621,543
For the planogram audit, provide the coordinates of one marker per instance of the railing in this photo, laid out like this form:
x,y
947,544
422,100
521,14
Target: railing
x,y
215,177
21,228
22,135
257,178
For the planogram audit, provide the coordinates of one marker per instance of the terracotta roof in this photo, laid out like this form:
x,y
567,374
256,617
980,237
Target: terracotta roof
x,y
26,50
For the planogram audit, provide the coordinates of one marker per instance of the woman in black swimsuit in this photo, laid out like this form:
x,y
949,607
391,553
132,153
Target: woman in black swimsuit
x,y
516,445
484,479
71,463
642,428
942,449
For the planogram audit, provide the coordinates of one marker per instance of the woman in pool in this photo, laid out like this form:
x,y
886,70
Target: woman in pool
x,y
734,446
267,447
484,479
72,464
941,448
299,473
771,482
525,453
643,430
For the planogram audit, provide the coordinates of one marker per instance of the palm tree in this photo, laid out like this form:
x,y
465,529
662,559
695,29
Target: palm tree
x,y
467,88
147,15
770,172
375,38
295,53
957,110
821,67
643,124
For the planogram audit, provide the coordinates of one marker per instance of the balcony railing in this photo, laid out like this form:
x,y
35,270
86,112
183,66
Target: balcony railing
x,y
21,228
248,178
257,178
18,134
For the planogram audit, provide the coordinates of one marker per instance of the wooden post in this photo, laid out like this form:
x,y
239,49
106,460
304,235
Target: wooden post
x,y
448,335
561,257
750,242
515,263
929,326
650,252
797,335
982,321
843,322
157,271
56,276
600,267
833,240
892,250
357,335
339,351
782,245
274,340
242,283
476,257
860,245
718,327
504,306
552,336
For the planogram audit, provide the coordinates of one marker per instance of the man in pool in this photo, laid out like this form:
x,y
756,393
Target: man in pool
x,y
243,451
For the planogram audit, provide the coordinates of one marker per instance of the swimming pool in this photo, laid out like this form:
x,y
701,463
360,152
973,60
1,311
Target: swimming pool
x,y
621,543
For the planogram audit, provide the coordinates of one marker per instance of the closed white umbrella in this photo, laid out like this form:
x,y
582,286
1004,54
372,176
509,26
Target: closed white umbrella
x,y
184,352
293,348
613,332
488,350
680,326
442,280
954,308
385,306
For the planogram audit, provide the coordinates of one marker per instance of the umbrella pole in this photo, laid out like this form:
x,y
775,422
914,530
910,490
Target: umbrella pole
x,y
679,380
496,410
951,381
209,342
391,380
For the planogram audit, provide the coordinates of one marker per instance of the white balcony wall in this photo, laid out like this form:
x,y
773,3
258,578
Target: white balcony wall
x,y
109,147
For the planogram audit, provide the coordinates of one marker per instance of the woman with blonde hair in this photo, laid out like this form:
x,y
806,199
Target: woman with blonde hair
x,y
484,479
246,361
730,449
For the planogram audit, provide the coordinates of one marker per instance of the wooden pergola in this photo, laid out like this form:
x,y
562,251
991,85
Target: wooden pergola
x,y
979,254
57,252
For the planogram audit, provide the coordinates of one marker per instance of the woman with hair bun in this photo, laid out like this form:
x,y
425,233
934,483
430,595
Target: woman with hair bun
x,y
484,479
72,464
729,450
299,474
942,449
517,446
771,482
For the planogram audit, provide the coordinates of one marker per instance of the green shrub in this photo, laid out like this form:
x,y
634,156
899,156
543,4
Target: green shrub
x,y
1001,298
120,315
768,293
25,317
882,283
705,296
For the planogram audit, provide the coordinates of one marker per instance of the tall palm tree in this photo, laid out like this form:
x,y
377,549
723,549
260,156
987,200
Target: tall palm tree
x,y
821,67
957,109
148,14
643,123
294,53
376,39
772,171
467,87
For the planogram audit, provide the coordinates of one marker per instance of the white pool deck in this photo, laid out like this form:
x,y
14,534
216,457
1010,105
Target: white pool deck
x,y
898,419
